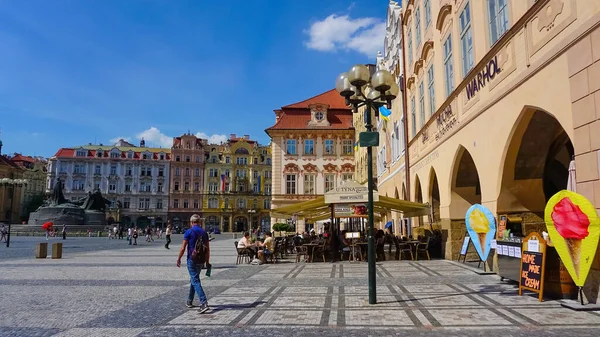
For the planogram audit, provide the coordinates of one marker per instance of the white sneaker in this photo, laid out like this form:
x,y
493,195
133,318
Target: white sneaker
x,y
255,262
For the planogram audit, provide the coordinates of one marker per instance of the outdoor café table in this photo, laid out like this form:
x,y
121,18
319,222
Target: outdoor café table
x,y
311,250
353,248
413,245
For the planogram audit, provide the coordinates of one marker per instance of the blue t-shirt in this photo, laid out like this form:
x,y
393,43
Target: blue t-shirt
x,y
191,235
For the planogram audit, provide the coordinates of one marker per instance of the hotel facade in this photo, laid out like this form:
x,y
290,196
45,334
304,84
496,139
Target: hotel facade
x,y
501,95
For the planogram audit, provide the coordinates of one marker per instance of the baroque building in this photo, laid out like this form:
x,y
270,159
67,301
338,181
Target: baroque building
x,y
186,178
34,171
237,188
502,97
312,144
135,177
10,195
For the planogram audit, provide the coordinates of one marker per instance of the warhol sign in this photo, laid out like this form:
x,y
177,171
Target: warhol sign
x,y
350,192
483,77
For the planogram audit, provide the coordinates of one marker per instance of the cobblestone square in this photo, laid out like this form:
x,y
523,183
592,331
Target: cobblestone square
x,y
112,289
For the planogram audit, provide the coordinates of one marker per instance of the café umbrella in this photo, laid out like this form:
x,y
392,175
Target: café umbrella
x,y
47,225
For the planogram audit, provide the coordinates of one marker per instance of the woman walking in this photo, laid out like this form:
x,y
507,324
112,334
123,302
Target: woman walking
x,y
168,236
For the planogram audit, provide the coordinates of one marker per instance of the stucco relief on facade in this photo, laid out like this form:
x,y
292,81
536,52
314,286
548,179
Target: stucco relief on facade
x,y
549,22
443,17
291,168
310,168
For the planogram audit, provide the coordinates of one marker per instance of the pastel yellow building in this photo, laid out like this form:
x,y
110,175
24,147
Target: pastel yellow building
x,y
501,95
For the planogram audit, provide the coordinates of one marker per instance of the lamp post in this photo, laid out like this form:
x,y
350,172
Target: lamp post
x,y
359,89
14,183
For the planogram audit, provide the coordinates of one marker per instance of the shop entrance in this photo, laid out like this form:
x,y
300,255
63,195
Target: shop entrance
x,y
466,187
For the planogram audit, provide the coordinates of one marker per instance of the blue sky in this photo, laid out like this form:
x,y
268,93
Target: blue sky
x,y
74,72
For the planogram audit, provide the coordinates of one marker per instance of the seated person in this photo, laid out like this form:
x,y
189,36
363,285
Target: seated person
x,y
247,245
269,247
344,242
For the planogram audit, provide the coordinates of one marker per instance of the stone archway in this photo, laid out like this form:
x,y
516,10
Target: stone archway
x,y
418,198
434,195
404,195
465,184
241,224
536,163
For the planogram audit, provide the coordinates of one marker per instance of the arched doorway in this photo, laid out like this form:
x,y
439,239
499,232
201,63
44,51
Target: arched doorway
x,y
434,196
212,223
265,224
418,198
241,223
536,163
465,187
126,221
158,222
110,220
177,224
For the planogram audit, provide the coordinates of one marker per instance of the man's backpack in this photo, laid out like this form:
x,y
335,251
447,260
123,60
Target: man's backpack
x,y
200,249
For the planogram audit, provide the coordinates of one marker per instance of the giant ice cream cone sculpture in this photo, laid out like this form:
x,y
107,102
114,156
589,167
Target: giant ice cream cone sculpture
x,y
481,226
572,224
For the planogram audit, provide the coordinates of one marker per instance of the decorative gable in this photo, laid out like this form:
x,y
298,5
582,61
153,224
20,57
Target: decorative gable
x,y
318,115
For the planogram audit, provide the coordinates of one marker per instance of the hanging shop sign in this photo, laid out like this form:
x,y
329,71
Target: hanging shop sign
x,y
350,211
484,76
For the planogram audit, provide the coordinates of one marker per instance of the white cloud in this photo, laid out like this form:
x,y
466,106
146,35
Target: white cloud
x,y
364,35
213,139
116,139
154,137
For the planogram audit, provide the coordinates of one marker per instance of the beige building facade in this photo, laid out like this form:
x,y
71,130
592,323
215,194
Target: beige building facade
x,y
501,96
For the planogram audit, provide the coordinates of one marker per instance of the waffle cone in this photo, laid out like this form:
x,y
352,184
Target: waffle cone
x,y
482,240
574,246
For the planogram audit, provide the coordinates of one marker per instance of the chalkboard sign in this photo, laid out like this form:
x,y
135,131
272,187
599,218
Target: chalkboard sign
x,y
533,260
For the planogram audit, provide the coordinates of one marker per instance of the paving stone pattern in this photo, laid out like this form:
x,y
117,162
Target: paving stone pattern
x,y
138,291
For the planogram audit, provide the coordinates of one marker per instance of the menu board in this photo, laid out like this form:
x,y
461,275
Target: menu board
x,y
465,246
532,266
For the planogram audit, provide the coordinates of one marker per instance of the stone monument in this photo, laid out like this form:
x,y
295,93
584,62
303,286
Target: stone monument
x,y
88,211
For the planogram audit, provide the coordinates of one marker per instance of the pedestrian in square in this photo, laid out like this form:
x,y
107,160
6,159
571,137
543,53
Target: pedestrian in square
x,y
195,233
64,232
135,235
129,234
169,230
4,233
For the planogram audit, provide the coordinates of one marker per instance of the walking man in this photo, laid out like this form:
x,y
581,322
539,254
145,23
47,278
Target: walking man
x,y
129,234
64,232
189,243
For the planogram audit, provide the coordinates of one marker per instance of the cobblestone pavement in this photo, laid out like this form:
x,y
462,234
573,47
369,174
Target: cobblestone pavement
x,y
124,291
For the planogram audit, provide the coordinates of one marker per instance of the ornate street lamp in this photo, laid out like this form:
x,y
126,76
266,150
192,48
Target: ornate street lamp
x,y
14,183
360,88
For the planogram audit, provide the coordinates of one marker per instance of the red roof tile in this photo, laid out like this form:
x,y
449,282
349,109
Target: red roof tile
x,y
297,115
331,97
6,161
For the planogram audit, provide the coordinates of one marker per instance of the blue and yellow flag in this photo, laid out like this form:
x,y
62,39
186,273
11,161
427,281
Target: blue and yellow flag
x,y
355,146
385,113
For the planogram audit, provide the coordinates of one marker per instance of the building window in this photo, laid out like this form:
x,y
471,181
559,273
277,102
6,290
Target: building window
x,y
161,172
267,175
448,66
213,203
98,169
226,203
161,157
197,172
409,42
242,161
498,13
187,159
115,155
413,114
78,185
186,186
196,204
227,173
309,147
241,203
126,203
187,171
395,142
427,9
329,147
99,154
329,182
81,153
256,188
159,204
176,186
213,187
213,172
401,135
268,189
177,158
431,90
177,172
128,171
197,159
267,203
347,147
112,187
144,203
309,184
79,168
381,161
418,26
268,161
422,103
290,147
130,155
226,189
196,186
466,40
175,203
160,187
127,187
186,203
290,184
347,176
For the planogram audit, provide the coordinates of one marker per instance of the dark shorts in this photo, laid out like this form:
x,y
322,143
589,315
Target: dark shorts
x,y
266,251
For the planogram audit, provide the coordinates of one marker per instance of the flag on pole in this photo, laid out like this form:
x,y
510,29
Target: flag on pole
x,y
355,146
222,184
385,113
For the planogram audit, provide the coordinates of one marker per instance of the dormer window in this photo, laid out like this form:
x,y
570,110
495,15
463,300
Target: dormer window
x,y
130,155
319,116
81,153
99,154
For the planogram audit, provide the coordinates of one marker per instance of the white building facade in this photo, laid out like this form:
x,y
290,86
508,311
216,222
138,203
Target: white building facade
x,y
135,177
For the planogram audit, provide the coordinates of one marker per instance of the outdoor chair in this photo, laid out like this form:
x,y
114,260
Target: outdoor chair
x,y
242,254
320,250
423,248
301,251
404,248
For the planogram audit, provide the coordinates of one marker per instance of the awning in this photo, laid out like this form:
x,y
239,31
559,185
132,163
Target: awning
x,y
317,209
388,224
